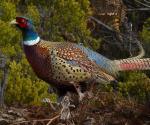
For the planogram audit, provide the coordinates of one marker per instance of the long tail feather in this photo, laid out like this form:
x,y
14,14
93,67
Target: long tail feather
x,y
133,64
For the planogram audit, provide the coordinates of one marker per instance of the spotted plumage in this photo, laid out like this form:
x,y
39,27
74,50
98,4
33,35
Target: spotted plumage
x,y
66,65
65,72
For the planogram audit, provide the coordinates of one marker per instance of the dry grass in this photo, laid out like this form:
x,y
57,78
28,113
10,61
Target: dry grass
x,y
104,108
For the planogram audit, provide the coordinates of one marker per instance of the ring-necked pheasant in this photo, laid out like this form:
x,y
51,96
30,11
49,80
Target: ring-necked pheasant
x,y
66,65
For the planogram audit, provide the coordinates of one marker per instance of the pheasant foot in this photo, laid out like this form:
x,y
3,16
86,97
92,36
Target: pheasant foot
x,y
65,111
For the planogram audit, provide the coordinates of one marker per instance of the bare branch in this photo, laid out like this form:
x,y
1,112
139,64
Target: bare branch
x,y
142,4
2,61
39,120
147,1
3,86
101,23
4,68
51,120
139,9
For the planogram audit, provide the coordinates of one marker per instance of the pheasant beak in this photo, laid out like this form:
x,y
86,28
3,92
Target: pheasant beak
x,y
13,22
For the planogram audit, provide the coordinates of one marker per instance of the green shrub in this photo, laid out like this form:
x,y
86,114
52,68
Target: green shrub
x,y
136,85
146,31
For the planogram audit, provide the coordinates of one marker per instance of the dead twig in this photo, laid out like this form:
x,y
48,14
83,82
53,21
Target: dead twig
x,y
101,23
40,120
51,120
4,79
139,9
50,103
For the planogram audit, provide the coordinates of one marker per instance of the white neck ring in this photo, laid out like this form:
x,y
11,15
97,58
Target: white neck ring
x,y
31,42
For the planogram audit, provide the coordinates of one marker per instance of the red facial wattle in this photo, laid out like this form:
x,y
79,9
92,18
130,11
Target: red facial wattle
x,y
21,22
23,25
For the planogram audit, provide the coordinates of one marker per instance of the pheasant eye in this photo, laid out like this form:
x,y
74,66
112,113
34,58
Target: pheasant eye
x,y
21,20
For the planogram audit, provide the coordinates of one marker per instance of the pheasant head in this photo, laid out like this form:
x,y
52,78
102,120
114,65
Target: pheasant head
x,y
30,37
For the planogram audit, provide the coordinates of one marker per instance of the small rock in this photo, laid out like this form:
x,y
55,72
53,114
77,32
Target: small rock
x,y
6,116
12,112
3,121
20,119
89,121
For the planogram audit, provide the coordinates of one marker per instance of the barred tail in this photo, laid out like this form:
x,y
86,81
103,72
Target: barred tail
x,y
132,64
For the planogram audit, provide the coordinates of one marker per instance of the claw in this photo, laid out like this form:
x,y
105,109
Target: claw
x,y
81,94
65,112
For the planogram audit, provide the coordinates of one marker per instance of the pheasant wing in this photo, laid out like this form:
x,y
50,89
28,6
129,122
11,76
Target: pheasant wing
x,y
75,65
